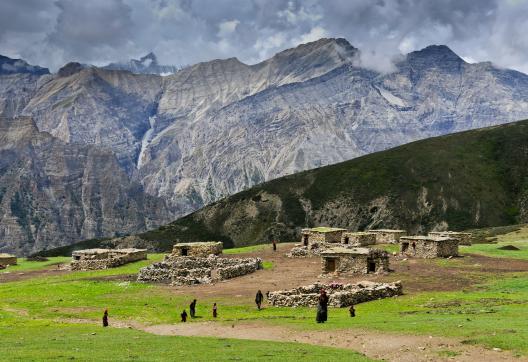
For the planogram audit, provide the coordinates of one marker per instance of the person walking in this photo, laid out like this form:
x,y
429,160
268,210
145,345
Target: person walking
x,y
274,245
322,308
192,308
105,318
259,298
214,311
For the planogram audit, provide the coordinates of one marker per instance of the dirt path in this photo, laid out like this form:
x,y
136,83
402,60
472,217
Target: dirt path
x,y
377,345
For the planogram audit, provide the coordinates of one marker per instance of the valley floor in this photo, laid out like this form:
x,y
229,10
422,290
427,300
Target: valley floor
x,y
471,308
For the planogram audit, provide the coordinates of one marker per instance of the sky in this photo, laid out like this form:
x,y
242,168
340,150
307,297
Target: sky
x,y
51,33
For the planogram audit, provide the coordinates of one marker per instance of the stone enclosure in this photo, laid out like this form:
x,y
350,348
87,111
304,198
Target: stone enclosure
x,y
95,259
200,249
463,238
428,246
188,270
388,236
339,295
355,260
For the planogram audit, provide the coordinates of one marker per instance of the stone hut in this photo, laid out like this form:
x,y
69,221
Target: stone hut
x,y
354,260
321,235
463,238
198,249
388,236
95,259
7,259
428,246
358,238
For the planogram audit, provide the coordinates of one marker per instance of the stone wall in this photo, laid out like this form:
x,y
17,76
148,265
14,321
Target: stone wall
x,y
358,238
429,247
387,236
198,249
186,270
105,258
339,295
316,237
356,263
463,238
8,259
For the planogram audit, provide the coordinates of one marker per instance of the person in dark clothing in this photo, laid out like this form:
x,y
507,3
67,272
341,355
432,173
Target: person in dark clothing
x,y
352,311
274,245
414,247
214,311
192,308
105,318
259,298
184,316
322,308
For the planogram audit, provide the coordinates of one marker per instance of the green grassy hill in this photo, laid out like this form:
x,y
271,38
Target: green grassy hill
x,y
472,179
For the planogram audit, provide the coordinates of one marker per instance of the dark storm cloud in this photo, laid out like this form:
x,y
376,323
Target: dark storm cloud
x,y
50,33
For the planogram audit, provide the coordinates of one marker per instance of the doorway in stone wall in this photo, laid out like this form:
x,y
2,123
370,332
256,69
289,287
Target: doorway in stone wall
x,y
305,240
184,252
371,266
330,265
347,239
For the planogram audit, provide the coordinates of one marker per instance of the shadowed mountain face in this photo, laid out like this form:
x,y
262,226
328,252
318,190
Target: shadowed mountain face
x,y
215,128
53,193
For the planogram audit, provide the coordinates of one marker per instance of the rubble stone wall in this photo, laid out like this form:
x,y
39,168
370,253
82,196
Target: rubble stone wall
x,y
114,258
358,239
388,237
316,237
200,249
339,295
463,238
359,263
197,270
430,249
8,260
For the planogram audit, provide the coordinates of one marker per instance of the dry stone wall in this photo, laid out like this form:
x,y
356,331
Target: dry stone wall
x,y
7,259
426,247
388,236
200,249
178,270
340,295
96,259
358,238
463,238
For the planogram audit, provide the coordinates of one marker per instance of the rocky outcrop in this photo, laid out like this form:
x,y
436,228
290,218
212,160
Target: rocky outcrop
x,y
340,295
53,193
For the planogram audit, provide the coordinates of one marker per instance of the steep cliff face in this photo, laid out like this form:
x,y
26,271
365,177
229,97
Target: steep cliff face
x,y
53,193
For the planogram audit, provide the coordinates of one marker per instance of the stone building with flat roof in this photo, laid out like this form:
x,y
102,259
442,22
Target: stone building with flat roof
x,y
463,238
342,260
388,236
358,238
95,259
7,259
428,246
198,249
321,235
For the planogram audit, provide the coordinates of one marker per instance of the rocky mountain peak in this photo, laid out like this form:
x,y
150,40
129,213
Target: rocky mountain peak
x,y
435,56
70,69
147,64
16,66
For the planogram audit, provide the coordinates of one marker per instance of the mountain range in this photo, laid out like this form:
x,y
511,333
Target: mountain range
x,y
215,128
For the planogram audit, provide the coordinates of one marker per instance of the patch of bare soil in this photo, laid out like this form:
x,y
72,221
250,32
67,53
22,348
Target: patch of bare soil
x,y
14,276
385,346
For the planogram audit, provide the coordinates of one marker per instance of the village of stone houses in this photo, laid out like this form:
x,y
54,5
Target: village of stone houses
x,y
378,294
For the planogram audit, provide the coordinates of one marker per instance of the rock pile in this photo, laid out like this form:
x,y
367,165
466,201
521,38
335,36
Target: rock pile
x,y
177,270
340,295
301,251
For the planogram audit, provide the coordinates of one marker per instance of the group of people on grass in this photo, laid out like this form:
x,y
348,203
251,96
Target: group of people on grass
x,y
321,316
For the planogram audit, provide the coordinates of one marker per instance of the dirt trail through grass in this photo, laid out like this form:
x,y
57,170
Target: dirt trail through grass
x,y
385,346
